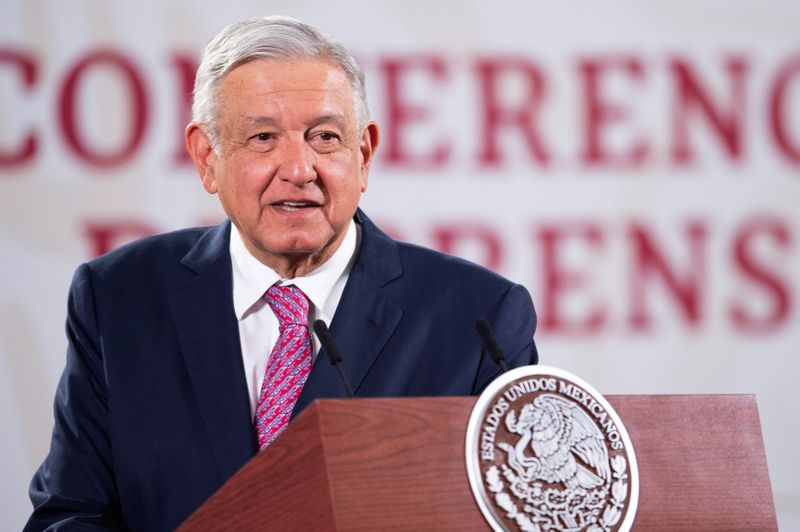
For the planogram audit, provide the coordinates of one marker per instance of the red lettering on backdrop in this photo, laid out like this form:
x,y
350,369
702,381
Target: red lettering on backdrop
x,y
447,237
558,280
694,102
744,257
25,65
649,262
185,67
778,109
497,115
599,113
138,106
400,113
105,236
727,123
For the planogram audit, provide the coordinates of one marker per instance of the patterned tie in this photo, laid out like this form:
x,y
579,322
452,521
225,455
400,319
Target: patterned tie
x,y
289,363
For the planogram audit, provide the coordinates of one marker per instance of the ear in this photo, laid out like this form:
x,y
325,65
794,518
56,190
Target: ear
x,y
199,146
369,144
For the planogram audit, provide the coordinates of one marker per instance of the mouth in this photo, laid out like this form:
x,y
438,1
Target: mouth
x,y
294,206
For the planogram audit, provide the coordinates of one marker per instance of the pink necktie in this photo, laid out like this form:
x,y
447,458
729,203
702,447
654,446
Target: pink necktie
x,y
289,363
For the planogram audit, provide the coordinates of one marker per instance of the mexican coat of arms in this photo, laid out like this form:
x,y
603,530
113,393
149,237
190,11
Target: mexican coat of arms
x,y
546,452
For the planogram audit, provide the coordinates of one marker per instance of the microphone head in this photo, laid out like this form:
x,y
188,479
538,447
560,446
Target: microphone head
x,y
483,328
319,327
489,341
329,346
326,339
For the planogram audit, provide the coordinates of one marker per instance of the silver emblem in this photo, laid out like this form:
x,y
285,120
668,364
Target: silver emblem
x,y
545,451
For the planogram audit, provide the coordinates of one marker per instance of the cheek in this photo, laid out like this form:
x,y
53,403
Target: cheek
x,y
247,177
349,194
350,181
242,185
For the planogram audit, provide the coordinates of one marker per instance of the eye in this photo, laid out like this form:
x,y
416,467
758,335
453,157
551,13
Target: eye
x,y
325,141
324,137
327,136
262,141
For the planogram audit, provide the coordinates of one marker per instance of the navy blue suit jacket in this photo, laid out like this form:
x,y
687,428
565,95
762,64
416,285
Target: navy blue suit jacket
x,y
152,413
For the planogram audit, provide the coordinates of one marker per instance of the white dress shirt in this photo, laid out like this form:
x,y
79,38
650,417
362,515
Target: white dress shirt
x,y
258,326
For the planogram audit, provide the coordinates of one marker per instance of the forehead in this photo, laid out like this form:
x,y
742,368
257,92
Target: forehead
x,y
270,82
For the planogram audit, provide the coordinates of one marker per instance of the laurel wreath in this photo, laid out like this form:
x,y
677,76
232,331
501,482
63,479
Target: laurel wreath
x,y
619,491
611,514
504,501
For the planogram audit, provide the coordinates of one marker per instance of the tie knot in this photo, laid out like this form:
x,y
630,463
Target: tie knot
x,y
289,304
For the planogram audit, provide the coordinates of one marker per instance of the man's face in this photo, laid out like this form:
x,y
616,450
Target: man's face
x,y
292,163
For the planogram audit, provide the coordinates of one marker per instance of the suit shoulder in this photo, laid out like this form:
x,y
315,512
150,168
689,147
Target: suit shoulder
x,y
155,251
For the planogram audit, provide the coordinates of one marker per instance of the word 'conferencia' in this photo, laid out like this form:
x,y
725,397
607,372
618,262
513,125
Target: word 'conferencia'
x,y
632,111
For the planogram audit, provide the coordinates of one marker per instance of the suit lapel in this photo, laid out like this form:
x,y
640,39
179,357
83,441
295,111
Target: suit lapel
x,y
202,309
365,317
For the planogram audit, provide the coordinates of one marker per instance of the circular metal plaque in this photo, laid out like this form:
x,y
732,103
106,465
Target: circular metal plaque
x,y
545,451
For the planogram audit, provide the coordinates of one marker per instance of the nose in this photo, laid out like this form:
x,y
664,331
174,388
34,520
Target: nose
x,y
296,163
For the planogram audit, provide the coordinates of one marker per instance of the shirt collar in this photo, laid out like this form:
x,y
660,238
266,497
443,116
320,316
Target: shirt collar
x,y
251,278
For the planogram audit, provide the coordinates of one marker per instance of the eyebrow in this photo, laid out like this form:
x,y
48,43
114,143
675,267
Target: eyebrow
x,y
260,120
335,118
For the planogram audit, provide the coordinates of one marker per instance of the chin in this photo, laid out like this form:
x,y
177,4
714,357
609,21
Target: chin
x,y
298,245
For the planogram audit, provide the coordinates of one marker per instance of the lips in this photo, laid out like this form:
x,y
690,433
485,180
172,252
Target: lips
x,y
295,205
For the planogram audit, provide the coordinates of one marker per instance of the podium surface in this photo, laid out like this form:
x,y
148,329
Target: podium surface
x,y
367,464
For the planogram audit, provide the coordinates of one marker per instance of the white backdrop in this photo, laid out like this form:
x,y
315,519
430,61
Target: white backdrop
x,y
635,165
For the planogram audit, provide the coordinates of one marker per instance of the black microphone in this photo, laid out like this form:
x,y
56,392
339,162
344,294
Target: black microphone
x,y
329,346
490,343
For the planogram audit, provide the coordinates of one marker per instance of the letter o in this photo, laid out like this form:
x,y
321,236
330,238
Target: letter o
x,y
139,108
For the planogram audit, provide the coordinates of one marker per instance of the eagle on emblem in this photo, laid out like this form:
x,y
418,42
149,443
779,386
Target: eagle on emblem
x,y
566,443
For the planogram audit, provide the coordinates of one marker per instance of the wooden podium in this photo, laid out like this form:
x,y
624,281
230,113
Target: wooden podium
x,y
376,464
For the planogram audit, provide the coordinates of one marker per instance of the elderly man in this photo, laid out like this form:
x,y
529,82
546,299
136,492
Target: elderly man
x,y
189,352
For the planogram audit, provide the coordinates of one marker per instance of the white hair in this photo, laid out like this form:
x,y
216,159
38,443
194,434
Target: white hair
x,y
268,38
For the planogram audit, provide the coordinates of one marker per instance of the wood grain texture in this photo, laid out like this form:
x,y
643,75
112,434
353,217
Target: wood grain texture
x,y
701,462
398,464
